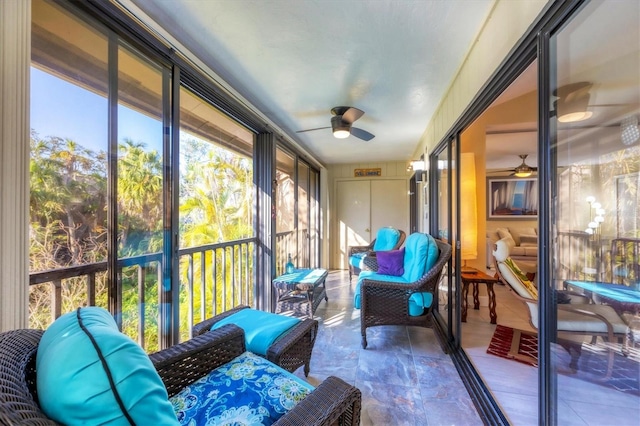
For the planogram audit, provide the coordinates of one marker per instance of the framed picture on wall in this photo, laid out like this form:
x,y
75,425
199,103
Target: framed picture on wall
x,y
512,198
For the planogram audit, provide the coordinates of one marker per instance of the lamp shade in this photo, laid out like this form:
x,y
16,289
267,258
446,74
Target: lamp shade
x,y
468,207
340,128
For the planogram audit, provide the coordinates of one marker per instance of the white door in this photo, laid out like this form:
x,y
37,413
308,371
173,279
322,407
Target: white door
x,y
353,218
365,206
389,205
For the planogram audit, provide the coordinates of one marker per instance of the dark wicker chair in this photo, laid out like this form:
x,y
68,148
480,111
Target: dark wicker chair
x,y
290,351
354,270
387,303
332,402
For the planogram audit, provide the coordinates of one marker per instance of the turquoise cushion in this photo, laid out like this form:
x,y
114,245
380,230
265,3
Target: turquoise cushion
x,y
73,386
356,259
261,328
386,239
418,302
248,390
433,252
415,256
371,275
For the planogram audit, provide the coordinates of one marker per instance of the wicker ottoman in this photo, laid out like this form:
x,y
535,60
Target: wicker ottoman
x,y
290,351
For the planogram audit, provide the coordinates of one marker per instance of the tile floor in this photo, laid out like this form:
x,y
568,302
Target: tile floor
x,y
404,376
406,379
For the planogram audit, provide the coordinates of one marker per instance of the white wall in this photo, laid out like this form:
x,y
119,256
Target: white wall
x,y
507,23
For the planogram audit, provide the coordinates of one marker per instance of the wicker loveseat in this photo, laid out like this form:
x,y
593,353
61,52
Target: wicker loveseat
x,y
408,299
387,238
332,402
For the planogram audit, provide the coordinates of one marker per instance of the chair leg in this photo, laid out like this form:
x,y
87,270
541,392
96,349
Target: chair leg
x,y
364,339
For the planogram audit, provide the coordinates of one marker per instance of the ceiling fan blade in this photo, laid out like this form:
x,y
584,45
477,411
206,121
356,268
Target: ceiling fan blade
x,y
501,171
362,134
310,130
352,114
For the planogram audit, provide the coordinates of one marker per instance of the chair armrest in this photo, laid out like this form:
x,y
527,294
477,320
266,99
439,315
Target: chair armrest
x,y
332,400
204,326
184,363
293,339
360,249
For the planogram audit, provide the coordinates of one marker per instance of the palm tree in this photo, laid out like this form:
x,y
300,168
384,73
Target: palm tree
x,y
216,200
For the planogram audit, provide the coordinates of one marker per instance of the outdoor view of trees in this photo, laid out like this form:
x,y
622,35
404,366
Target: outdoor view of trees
x,y
69,210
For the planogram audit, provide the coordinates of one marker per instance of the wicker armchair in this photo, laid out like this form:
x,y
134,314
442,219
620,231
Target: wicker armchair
x,y
290,351
332,402
369,249
387,303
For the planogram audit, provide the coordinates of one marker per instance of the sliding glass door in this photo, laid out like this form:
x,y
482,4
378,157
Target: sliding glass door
x,y
594,232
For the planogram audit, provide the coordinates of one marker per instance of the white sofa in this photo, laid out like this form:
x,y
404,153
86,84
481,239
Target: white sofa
x,y
522,241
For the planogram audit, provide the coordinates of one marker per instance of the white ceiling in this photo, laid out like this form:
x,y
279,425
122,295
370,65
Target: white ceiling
x,y
296,59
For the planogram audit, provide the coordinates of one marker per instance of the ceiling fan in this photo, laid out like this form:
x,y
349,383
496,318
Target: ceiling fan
x,y
341,123
523,170
572,102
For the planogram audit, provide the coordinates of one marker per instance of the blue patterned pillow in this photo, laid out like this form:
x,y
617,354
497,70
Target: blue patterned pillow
x,y
247,390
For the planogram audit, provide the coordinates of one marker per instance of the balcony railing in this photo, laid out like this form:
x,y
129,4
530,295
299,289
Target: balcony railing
x,y
213,279
295,244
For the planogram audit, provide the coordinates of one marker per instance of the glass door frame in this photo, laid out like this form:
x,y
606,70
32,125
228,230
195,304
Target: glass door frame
x,y
533,45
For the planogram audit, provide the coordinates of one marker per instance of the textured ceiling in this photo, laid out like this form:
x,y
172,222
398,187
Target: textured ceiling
x,y
296,59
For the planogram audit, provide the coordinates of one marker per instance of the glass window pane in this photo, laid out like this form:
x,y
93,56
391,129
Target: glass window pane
x,y
596,167
216,175
216,199
139,193
285,208
302,253
314,219
68,171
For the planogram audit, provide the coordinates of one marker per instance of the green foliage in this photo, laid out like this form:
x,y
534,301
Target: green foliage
x,y
68,226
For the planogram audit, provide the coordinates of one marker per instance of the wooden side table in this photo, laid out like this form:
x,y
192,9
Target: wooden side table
x,y
476,277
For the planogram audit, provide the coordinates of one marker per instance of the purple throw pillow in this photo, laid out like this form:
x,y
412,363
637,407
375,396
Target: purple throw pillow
x,y
391,262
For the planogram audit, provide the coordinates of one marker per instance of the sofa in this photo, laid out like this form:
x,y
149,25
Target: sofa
x,y
147,387
522,241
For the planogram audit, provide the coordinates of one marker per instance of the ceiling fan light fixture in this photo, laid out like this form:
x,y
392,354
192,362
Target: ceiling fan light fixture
x,y
523,170
573,102
522,173
341,130
573,117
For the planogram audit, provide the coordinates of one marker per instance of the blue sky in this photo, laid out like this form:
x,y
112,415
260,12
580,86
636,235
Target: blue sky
x,y
61,109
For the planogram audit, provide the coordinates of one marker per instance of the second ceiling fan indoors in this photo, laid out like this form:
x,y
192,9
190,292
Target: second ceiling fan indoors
x,y
341,123
522,171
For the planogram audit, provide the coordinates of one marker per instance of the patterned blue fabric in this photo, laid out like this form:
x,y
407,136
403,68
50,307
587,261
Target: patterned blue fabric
x,y
249,390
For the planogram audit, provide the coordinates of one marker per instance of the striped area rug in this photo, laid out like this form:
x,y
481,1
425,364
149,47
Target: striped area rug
x,y
515,344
